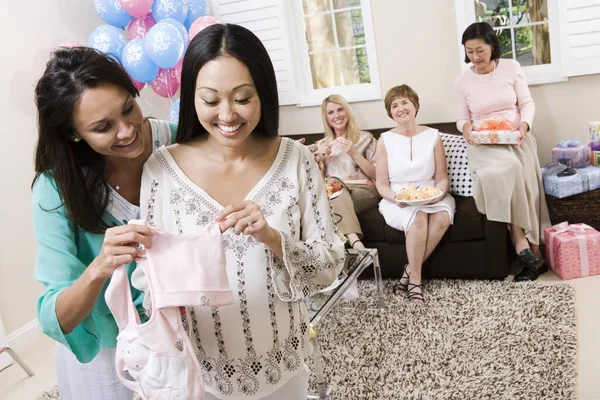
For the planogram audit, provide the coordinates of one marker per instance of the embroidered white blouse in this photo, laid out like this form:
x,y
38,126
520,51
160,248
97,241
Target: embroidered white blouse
x,y
251,348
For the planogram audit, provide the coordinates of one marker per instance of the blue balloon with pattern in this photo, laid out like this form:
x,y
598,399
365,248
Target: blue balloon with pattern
x,y
164,44
174,112
113,13
182,29
137,62
196,9
108,39
176,9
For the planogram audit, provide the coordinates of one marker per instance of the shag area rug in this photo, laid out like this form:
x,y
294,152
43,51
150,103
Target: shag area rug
x,y
470,340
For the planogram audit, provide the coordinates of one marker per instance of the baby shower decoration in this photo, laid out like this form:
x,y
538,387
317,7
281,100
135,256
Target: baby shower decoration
x,y
149,38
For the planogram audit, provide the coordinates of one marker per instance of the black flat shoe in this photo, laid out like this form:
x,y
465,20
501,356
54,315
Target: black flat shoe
x,y
529,273
528,261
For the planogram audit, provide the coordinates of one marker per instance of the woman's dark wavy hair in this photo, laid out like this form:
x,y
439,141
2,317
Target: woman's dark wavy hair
x,y
485,32
77,169
228,40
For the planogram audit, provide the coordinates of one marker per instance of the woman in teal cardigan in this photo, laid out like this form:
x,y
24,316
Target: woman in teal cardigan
x,y
93,142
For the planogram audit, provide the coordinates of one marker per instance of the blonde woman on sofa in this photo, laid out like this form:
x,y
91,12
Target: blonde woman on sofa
x,y
412,156
510,187
347,156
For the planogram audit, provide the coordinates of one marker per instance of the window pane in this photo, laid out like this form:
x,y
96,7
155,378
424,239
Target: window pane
x,y
528,11
494,12
319,33
355,66
350,29
315,6
505,43
325,71
337,4
533,45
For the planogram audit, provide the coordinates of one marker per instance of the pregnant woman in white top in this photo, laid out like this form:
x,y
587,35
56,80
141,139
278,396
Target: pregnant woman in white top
x,y
410,155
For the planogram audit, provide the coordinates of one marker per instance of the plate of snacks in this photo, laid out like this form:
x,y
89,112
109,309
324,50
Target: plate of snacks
x,y
418,196
334,189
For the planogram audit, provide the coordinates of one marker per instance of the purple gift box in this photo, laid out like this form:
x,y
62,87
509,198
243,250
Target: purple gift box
x,y
571,153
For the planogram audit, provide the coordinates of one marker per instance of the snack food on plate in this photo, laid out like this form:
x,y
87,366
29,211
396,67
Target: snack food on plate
x,y
410,193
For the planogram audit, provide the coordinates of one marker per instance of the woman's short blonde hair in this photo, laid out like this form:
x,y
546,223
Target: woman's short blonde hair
x,y
352,131
402,91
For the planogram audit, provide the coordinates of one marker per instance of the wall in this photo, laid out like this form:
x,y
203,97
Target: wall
x,y
416,45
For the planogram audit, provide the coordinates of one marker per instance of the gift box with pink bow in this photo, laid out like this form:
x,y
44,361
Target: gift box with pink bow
x,y
573,251
571,153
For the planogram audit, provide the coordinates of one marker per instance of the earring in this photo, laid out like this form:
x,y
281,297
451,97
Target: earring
x,y
76,139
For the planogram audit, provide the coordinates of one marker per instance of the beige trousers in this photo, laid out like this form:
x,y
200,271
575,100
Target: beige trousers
x,y
354,199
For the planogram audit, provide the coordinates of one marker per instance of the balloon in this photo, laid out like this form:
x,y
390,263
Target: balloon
x,y
164,44
200,24
137,8
137,62
165,84
139,27
108,39
196,9
177,69
112,13
174,112
177,9
137,84
70,43
184,32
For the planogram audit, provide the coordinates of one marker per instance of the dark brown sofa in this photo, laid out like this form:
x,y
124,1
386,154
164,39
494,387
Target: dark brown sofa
x,y
473,247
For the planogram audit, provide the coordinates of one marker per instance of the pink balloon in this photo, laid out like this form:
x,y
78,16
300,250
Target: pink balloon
x,y
165,84
201,23
177,69
137,8
70,43
137,84
138,27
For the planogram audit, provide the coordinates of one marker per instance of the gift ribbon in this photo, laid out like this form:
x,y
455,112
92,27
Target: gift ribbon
x,y
569,145
565,144
578,231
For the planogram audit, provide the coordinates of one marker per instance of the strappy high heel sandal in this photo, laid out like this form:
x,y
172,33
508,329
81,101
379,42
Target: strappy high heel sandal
x,y
400,288
415,293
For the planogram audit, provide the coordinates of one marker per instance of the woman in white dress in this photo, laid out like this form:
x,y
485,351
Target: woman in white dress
x,y
231,166
411,155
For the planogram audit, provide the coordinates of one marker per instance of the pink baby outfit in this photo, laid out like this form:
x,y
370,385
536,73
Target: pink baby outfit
x,y
156,359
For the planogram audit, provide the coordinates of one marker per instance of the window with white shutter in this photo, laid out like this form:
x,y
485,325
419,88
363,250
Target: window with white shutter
x,y
266,18
529,31
552,39
318,47
334,50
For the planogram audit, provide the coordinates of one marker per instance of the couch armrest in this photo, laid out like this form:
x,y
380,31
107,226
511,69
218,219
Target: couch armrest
x,y
496,246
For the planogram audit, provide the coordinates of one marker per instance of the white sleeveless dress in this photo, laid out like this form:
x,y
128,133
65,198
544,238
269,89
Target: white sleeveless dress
x,y
411,162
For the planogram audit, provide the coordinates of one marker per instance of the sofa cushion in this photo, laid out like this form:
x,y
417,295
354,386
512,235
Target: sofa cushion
x,y
461,181
468,225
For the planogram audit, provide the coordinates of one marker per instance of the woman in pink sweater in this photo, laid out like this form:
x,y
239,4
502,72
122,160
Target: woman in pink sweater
x,y
510,187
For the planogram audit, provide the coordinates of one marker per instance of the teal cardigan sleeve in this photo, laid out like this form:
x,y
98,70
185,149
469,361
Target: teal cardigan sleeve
x,y
57,267
173,127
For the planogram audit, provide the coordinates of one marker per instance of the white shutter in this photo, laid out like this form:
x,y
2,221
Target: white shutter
x,y
583,26
267,20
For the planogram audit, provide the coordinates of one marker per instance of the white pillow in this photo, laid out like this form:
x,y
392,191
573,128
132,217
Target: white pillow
x,y
461,181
